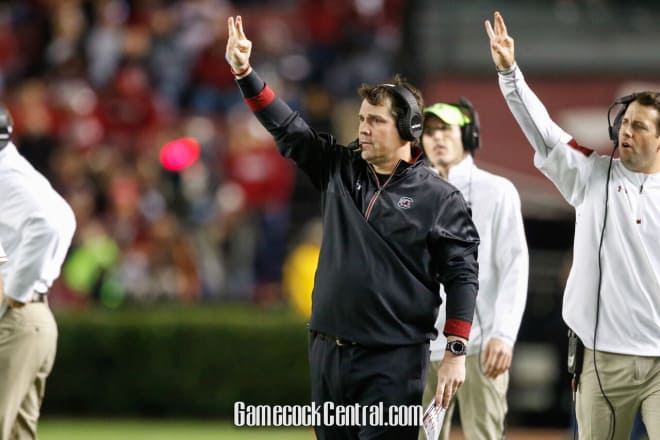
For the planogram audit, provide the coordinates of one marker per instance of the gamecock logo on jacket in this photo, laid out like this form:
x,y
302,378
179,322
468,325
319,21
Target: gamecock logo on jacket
x,y
405,202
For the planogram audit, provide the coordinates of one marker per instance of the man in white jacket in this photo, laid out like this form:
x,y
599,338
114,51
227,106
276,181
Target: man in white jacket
x,y
36,228
450,138
612,296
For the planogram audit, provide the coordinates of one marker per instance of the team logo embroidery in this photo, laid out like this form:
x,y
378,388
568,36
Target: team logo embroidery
x,y
405,202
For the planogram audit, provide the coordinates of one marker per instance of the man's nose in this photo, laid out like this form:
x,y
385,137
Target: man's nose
x,y
438,134
625,131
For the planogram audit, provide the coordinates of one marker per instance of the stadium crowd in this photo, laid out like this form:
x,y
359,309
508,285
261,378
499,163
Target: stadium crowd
x,y
97,88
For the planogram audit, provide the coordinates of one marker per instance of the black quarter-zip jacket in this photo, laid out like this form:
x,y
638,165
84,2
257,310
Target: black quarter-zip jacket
x,y
386,246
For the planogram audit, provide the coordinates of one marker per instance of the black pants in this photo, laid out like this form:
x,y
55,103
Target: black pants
x,y
353,374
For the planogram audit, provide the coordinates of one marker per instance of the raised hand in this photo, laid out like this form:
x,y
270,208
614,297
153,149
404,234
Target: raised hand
x,y
501,44
238,46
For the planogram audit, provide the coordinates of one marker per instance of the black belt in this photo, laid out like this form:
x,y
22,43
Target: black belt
x,y
35,298
38,297
341,342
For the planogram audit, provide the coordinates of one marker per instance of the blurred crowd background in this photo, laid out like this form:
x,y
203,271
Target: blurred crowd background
x,y
98,88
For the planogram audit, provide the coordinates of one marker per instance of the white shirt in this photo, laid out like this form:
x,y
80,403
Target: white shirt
x,y
503,257
36,227
3,255
629,315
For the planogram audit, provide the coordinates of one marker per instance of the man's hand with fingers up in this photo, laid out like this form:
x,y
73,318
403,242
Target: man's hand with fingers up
x,y
238,48
501,44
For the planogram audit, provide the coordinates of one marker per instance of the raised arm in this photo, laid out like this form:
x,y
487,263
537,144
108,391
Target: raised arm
x,y
568,168
295,140
529,111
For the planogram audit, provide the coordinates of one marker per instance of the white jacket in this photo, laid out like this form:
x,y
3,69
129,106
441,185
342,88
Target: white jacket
x,y
503,257
36,227
629,315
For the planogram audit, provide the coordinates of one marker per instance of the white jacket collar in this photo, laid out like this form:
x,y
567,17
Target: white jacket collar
x,y
461,171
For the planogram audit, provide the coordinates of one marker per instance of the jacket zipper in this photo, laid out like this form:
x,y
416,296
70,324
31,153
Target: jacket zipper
x,y
380,189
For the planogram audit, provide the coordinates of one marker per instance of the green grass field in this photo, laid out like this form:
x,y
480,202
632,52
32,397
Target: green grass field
x,y
84,429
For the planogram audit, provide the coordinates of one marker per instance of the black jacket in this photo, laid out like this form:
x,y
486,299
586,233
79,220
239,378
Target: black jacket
x,y
386,247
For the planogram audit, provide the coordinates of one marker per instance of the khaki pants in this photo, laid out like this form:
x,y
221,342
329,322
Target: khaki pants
x,y
28,340
482,402
630,383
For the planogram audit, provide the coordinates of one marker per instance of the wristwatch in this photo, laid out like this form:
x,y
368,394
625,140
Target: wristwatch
x,y
457,347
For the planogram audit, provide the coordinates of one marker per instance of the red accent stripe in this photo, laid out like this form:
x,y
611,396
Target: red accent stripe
x,y
573,144
415,154
241,73
262,100
458,327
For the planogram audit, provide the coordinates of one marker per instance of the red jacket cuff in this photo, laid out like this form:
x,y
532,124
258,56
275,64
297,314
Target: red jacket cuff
x,y
262,100
458,327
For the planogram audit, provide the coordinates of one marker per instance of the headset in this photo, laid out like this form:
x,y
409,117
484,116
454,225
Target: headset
x,y
470,132
6,125
614,127
409,123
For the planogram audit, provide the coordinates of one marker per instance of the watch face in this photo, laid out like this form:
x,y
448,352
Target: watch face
x,y
456,347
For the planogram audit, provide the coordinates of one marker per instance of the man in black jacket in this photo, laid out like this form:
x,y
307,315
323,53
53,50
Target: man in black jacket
x,y
392,232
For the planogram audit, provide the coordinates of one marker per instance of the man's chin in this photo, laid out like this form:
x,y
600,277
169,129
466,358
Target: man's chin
x,y
437,162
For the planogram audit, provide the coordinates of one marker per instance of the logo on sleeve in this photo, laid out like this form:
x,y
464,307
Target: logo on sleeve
x,y
405,202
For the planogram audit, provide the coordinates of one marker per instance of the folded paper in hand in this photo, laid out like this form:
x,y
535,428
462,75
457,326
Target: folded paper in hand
x,y
432,420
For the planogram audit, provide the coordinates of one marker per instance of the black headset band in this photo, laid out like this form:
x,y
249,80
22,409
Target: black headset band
x,y
470,132
613,127
5,126
409,123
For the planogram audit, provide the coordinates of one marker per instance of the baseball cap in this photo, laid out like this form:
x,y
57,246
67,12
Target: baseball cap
x,y
448,113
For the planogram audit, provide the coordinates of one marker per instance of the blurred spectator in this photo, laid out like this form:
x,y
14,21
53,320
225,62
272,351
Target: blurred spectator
x,y
169,61
68,25
128,107
300,269
265,180
8,46
104,42
89,264
35,124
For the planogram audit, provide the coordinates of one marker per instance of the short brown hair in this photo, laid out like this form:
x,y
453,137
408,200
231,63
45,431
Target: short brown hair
x,y
650,99
376,95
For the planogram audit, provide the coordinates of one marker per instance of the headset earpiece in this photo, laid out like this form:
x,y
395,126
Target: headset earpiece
x,y
409,123
5,126
470,133
614,127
